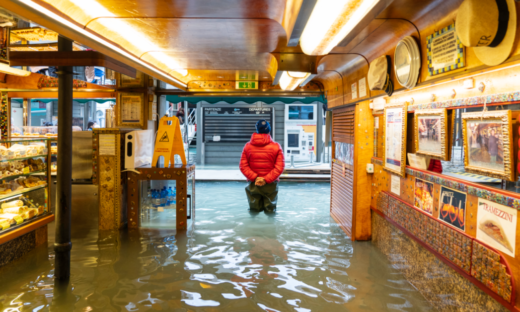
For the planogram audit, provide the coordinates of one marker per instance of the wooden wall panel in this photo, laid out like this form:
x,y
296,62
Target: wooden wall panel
x,y
364,150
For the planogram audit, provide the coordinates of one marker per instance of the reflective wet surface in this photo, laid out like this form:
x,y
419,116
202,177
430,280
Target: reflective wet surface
x,y
297,259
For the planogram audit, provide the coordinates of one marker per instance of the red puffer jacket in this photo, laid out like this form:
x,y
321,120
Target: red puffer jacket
x,y
262,157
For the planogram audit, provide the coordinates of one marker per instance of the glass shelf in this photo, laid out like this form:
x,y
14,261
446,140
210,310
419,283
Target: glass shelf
x,y
24,158
25,190
24,223
18,140
23,174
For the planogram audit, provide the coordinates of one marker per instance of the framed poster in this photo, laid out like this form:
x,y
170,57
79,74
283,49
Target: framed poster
x,y
423,196
445,51
394,158
131,110
496,226
129,82
488,144
431,133
452,207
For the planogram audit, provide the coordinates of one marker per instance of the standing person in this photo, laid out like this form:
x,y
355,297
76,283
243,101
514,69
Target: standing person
x,y
262,163
91,125
180,115
493,147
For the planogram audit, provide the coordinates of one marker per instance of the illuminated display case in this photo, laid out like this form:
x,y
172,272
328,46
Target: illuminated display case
x,y
24,186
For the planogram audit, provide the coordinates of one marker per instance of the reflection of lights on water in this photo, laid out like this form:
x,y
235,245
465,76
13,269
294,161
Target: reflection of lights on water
x,y
194,299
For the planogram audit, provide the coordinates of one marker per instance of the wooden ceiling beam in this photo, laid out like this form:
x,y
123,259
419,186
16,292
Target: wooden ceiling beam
x,y
75,58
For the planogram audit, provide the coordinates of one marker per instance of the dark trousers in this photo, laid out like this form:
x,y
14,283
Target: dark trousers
x,y
262,197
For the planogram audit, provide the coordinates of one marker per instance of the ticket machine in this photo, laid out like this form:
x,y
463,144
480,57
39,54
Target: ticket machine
x,y
300,131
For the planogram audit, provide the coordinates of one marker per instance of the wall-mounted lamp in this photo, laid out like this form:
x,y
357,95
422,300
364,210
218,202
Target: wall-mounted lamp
x,y
289,80
330,22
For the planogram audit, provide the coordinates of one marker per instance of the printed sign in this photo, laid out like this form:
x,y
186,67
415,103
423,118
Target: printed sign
x,y
168,142
394,138
423,196
395,184
496,226
452,207
354,90
362,87
445,51
107,144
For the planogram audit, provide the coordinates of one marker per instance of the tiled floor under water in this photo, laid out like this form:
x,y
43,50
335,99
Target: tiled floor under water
x,y
295,260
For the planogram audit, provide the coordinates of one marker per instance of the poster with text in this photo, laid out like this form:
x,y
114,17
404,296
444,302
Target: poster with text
x,y
394,138
496,226
452,207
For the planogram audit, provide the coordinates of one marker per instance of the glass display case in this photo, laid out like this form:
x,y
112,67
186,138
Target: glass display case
x,y
161,197
158,203
37,132
24,187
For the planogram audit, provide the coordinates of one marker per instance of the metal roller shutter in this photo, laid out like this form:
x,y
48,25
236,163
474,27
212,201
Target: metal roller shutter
x,y
342,180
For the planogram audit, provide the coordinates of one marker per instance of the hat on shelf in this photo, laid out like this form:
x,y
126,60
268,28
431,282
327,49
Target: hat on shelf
x,y
379,75
489,26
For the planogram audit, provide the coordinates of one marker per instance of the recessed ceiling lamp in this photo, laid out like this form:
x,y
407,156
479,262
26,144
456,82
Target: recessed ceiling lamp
x,y
290,80
91,6
330,22
6,69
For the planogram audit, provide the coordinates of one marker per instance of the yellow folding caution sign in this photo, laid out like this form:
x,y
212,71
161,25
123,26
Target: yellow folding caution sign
x,y
168,142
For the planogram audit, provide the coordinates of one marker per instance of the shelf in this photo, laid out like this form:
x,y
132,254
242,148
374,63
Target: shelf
x,y
26,227
23,158
25,190
23,174
19,139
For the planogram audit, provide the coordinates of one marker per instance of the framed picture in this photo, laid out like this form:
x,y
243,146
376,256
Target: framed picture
x,y
394,158
488,144
131,110
423,196
129,82
452,207
432,134
445,51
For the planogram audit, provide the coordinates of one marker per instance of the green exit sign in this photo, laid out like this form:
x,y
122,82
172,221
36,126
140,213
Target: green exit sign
x,y
241,85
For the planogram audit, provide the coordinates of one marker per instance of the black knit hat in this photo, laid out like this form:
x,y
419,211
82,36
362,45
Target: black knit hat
x,y
263,126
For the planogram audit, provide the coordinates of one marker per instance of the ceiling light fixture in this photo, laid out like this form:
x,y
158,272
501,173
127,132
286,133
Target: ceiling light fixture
x,y
42,10
290,80
330,22
6,69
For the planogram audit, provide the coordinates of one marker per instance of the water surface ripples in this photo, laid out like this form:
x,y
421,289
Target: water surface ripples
x,y
297,259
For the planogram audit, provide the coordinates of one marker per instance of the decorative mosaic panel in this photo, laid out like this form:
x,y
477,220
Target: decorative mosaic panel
x,y
483,263
382,202
488,269
476,100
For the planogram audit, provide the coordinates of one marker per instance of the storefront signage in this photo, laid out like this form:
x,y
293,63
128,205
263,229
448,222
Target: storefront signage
x,y
445,51
246,85
496,226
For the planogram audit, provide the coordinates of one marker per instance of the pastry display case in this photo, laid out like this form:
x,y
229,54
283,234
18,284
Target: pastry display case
x,y
24,182
37,132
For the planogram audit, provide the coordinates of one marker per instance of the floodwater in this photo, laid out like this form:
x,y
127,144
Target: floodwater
x,y
297,259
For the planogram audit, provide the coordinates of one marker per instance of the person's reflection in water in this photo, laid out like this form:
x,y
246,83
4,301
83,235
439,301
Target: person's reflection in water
x,y
262,251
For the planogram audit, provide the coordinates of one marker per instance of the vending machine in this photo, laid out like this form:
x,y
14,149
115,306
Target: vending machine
x,y
300,131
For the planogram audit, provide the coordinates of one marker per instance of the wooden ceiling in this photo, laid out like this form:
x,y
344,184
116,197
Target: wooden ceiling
x,y
215,38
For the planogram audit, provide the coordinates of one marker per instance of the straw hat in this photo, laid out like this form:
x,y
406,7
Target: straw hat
x,y
379,75
489,26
